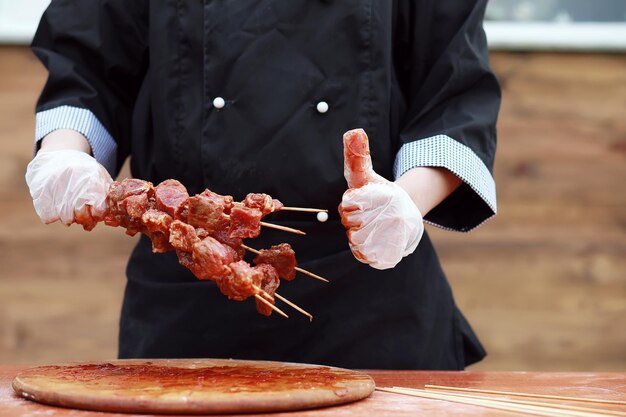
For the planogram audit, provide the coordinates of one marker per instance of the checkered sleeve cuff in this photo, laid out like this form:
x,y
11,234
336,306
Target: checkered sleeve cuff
x,y
103,146
443,151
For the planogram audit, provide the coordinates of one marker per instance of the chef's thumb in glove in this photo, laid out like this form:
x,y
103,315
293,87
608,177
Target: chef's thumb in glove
x,y
383,223
68,185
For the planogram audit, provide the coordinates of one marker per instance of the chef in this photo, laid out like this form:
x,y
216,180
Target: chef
x,y
254,96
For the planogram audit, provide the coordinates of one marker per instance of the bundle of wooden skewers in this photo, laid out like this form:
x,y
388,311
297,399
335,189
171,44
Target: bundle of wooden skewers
x,y
523,403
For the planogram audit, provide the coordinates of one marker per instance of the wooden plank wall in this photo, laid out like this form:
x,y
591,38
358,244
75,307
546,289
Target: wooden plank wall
x,y
544,283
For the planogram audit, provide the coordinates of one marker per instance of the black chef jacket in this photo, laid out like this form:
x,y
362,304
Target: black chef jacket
x,y
402,70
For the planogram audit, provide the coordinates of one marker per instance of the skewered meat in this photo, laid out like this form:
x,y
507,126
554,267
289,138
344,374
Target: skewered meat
x,y
242,282
118,191
262,202
244,222
225,200
282,258
170,194
269,284
133,194
234,242
183,236
135,205
206,231
207,213
213,258
157,227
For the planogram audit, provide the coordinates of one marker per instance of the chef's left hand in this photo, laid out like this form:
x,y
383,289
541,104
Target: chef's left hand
x,y
384,224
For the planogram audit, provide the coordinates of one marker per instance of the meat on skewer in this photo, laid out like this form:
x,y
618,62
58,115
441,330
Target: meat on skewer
x,y
183,236
213,260
206,231
157,226
206,213
242,281
245,222
130,194
169,196
269,284
262,202
234,242
281,257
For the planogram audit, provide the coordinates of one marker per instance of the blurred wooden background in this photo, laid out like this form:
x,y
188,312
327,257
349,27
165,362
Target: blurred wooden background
x,y
544,283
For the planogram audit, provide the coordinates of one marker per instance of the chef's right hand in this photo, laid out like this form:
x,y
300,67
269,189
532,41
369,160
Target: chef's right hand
x,y
68,185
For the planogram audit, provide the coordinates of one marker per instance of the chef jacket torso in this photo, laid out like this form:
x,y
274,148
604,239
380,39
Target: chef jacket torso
x,y
270,65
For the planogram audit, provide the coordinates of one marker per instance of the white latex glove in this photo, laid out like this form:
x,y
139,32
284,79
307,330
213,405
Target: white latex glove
x,y
384,224
68,185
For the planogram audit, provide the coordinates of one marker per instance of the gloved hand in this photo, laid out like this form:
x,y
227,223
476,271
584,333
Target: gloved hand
x,y
384,224
68,185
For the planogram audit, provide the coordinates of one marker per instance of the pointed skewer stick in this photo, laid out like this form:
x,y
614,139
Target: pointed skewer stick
x,y
522,394
264,294
283,228
545,410
525,402
301,310
304,271
305,209
277,227
270,305
311,274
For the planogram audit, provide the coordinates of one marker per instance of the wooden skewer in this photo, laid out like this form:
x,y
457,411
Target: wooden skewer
x,y
280,297
295,306
311,274
304,271
537,403
270,305
283,228
305,209
277,227
528,409
521,394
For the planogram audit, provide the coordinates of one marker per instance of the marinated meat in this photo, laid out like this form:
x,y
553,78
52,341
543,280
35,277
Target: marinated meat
x,y
207,213
157,227
213,258
282,257
183,237
118,191
160,242
269,284
244,222
170,194
225,201
234,242
242,282
262,202
86,219
206,231
126,202
135,205
156,221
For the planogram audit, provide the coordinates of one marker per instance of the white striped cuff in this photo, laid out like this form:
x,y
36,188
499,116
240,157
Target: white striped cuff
x,y
443,151
103,146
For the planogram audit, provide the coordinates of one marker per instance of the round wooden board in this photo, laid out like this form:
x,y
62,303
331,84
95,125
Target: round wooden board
x,y
192,386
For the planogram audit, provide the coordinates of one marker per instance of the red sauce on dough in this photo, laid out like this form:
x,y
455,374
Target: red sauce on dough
x,y
240,378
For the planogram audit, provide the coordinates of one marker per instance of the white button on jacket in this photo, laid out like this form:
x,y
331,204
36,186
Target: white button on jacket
x,y
322,107
218,102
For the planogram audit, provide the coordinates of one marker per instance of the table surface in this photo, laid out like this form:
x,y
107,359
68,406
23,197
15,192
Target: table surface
x,y
610,386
